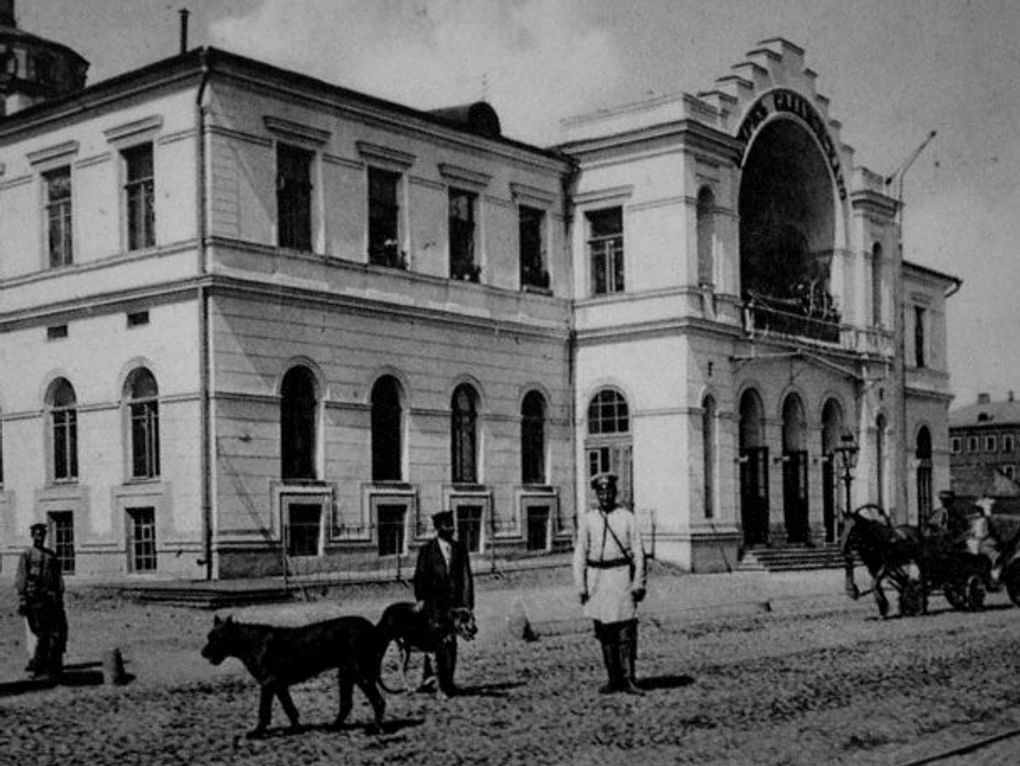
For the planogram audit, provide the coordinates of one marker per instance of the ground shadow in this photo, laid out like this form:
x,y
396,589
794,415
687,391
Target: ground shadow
x,y
389,726
665,682
78,675
487,690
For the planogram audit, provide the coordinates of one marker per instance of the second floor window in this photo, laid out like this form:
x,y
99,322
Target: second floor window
x,y
384,219
58,216
955,446
531,223
462,236
919,341
464,435
294,197
140,197
605,248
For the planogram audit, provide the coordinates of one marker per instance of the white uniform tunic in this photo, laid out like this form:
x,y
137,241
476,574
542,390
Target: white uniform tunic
x,y
609,588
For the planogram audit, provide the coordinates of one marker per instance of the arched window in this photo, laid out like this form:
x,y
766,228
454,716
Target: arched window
x,y
608,445
880,459
62,405
533,438
387,428
464,435
706,236
708,448
298,410
141,396
876,284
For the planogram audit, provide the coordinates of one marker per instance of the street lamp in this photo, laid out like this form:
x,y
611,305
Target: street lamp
x,y
846,460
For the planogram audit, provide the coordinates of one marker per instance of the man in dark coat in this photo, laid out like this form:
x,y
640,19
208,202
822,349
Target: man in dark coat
x,y
40,587
442,583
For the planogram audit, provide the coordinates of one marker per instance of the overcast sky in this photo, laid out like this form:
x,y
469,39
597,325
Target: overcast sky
x,y
894,71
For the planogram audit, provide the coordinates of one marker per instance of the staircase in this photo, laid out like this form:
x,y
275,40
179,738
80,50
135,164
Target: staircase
x,y
791,559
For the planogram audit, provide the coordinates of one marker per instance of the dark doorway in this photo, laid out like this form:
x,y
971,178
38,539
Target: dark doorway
x,y
754,494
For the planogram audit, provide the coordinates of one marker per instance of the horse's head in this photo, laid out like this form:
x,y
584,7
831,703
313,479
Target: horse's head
x,y
464,624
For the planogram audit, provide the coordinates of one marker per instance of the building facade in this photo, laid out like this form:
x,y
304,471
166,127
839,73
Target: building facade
x,y
252,321
984,439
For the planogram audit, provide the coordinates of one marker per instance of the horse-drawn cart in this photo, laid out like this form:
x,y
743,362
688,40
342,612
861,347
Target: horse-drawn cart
x,y
916,564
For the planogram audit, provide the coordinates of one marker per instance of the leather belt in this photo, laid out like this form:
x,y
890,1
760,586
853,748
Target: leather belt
x,y
609,563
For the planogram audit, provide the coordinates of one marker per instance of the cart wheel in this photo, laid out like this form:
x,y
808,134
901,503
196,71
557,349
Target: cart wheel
x,y
975,590
956,594
1011,579
911,599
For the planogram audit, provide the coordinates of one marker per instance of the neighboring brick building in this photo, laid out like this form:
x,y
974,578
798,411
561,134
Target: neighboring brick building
x,y
249,317
984,447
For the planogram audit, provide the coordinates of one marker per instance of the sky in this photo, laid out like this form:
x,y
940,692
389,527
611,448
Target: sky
x,y
893,70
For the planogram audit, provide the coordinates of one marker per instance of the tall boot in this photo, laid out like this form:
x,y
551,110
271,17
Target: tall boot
x,y
446,663
611,660
628,658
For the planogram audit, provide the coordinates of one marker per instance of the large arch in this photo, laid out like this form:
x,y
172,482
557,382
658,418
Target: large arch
x,y
789,224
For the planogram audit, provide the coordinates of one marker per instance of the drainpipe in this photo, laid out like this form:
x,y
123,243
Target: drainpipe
x,y
203,300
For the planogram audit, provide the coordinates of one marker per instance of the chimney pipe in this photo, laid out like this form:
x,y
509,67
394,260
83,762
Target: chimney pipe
x,y
184,29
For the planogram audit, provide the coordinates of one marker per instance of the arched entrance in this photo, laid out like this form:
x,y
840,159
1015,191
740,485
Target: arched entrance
x,y
795,471
754,470
832,429
924,493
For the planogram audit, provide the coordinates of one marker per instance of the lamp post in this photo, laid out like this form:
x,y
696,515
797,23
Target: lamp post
x,y
846,460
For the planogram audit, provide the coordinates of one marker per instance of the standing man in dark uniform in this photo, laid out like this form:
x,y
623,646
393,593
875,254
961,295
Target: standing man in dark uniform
x,y
609,574
40,587
442,583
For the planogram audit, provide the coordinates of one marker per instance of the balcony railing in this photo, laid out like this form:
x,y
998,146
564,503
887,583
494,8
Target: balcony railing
x,y
789,317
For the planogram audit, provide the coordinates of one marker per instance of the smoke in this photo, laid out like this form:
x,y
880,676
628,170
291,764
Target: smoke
x,y
535,61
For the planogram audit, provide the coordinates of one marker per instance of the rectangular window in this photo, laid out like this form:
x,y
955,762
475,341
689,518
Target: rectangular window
x,y
304,524
62,526
919,342
955,445
972,444
390,519
294,197
462,236
139,194
56,332
144,440
531,232
1007,443
137,318
58,216
537,528
469,526
605,249
1010,471
384,219
141,528
990,444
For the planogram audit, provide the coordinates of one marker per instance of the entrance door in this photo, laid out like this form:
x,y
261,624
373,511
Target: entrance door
x,y
795,496
829,498
754,494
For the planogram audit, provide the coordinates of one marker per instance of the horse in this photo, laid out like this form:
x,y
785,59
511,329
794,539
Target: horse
x,y
886,551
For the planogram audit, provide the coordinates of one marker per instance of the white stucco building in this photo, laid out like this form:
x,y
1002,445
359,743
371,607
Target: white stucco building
x,y
250,319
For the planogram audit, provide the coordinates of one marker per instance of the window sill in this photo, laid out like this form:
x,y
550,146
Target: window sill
x,y
536,289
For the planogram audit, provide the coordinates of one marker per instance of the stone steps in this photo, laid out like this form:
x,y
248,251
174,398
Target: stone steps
x,y
791,559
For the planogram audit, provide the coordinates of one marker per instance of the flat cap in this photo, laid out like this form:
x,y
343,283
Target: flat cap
x,y
38,525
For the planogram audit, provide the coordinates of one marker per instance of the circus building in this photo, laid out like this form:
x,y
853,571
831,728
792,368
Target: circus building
x,y
741,306
255,323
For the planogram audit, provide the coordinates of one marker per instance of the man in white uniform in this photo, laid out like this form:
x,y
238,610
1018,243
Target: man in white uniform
x,y
609,573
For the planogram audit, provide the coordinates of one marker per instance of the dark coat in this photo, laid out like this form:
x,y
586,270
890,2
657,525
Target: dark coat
x,y
440,588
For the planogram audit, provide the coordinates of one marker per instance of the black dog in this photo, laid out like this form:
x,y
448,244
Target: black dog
x,y
410,630
280,657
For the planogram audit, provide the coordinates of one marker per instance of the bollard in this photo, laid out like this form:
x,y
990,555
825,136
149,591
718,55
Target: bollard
x,y
113,668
